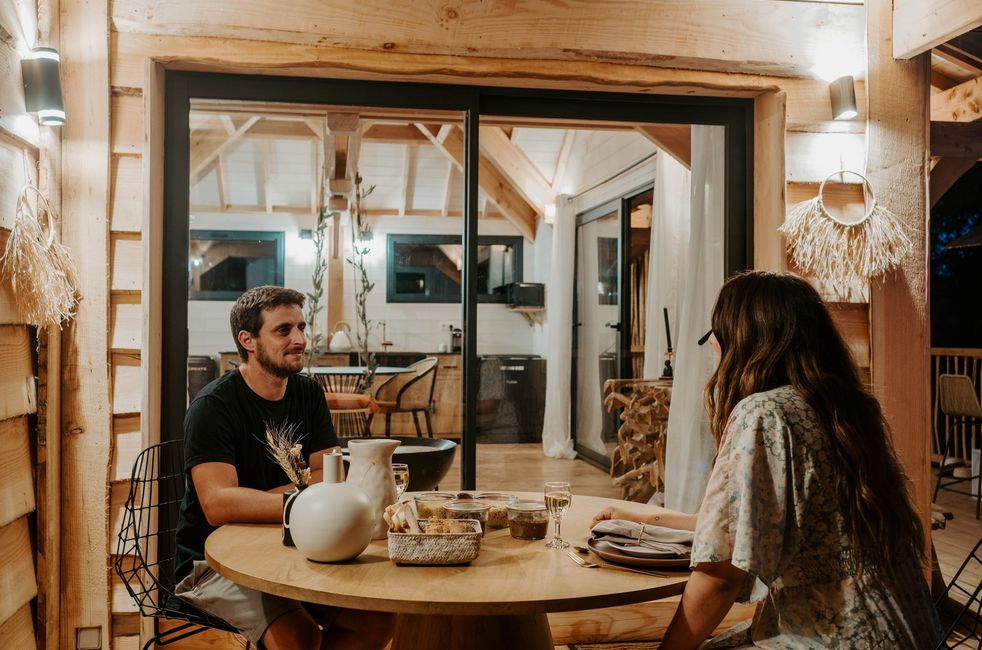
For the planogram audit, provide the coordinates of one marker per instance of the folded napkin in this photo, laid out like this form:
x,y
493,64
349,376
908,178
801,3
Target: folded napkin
x,y
643,540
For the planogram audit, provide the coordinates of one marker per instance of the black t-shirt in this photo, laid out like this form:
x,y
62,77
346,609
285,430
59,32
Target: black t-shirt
x,y
226,423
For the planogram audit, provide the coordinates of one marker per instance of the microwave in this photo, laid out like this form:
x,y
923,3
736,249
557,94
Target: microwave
x,y
525,294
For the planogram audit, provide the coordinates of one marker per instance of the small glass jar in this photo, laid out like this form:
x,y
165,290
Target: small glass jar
x,y
468,509
498,515
430,505
528,519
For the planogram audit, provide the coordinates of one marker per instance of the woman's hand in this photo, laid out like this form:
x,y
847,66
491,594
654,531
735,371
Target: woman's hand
x,y
617,512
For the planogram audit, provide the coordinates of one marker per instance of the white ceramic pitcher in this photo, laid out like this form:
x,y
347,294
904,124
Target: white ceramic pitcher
x,y
371,470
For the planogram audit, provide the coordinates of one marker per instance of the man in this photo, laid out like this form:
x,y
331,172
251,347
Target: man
x,y
232,478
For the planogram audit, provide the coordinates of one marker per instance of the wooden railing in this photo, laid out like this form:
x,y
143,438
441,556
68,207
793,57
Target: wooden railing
x,y
956,361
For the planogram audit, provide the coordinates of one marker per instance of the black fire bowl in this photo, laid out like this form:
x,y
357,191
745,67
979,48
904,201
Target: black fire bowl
x,y
427,467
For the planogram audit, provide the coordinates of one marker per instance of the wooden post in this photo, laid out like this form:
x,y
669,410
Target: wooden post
x,y
769,122
897,167
85,389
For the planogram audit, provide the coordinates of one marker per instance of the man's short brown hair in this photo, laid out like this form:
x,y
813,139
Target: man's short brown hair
x,y
247,312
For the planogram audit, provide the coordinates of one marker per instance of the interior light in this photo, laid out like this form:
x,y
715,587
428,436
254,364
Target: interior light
x,y
842,93
42,85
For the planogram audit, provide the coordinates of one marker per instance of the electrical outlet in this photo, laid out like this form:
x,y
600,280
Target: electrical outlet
x,y
446,325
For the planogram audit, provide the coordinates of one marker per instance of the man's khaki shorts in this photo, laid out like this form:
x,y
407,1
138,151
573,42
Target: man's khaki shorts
x,y
249,611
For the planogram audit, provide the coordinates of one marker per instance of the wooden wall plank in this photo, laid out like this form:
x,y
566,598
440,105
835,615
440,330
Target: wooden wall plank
x,y
810,157
18,630
18,585
8,306
15,122
127,124
16,468
128,442
127,193
769,184
118,491
919,25
957,139
18,391
12,179
127,387
759,36
807,103
127,264
844,200
898,168
127,323
85,400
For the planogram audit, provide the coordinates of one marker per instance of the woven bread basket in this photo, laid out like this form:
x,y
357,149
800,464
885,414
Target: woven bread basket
x,y
438,548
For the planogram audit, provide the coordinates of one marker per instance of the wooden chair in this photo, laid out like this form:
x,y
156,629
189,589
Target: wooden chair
x,y
408,393
959,401
146,544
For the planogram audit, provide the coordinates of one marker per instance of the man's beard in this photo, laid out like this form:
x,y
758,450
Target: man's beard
x,y
282,369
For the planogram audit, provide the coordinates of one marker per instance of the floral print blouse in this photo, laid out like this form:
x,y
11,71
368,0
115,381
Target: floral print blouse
x,y
770,509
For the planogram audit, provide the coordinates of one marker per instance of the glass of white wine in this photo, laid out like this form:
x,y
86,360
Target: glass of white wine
x,y
558,498
400,472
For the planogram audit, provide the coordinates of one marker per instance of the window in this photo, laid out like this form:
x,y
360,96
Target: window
x,y
428,268
223,264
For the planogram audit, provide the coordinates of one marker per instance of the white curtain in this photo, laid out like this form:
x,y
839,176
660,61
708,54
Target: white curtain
x,y
689,446
556,439
669,247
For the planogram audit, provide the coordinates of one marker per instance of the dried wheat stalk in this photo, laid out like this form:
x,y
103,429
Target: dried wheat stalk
x,y
283,445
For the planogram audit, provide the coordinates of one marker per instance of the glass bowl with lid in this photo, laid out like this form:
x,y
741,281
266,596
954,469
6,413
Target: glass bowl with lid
x,y
528,519
498,515
430,505
468,509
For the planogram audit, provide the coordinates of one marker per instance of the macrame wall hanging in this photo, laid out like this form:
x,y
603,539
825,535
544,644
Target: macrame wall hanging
x,y
843,256
38,266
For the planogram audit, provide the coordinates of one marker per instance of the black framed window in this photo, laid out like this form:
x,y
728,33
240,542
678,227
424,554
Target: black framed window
x,y
223,264
429,268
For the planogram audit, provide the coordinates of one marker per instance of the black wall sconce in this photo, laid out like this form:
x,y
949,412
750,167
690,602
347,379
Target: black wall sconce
x,y
42,85
842,92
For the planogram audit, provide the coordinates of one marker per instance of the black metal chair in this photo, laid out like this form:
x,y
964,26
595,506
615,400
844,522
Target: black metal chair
x,y
959,401
146,544
966,625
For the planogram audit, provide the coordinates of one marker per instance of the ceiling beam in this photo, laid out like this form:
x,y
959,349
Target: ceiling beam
x,y
516,167
956,139
394,134
407,166
220,180
963,103
268,175
448,188
945,173
316,177
204,159
673,139
750,36
919,25
562,160
260,210
344,128
491,181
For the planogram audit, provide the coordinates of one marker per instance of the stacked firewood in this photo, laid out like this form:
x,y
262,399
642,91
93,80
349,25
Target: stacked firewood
x,y
638,462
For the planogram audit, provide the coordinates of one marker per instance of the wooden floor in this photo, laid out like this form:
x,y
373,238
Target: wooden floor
x,y
953,543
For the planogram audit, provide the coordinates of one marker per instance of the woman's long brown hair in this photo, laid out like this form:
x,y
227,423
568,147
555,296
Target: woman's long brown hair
x,y
774,330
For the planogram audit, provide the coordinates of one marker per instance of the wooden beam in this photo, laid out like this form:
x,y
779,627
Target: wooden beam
x,y
204,208
394,134
919,25
807,102
316,174
516,167
448,188
966,59
492,182
897,167
956,139
267,165
562,160
198,168
220,182
407,165
17,488
673,139
963,103
769,182
757,36
342,123
946,173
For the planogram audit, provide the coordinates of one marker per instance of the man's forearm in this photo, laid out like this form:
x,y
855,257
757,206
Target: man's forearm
x,y
243,505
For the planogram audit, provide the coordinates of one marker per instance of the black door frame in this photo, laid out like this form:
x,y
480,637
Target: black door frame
x,y
472,102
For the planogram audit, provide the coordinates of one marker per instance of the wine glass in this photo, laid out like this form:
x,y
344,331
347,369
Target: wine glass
x,y
558,498
400,472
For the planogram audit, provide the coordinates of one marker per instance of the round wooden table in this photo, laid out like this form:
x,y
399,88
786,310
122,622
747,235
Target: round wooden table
x,y
499,600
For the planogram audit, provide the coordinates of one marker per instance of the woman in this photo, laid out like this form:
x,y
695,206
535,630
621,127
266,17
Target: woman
x,y
806,510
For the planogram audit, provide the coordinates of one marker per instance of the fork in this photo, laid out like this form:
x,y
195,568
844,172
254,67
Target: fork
x,y
586,564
